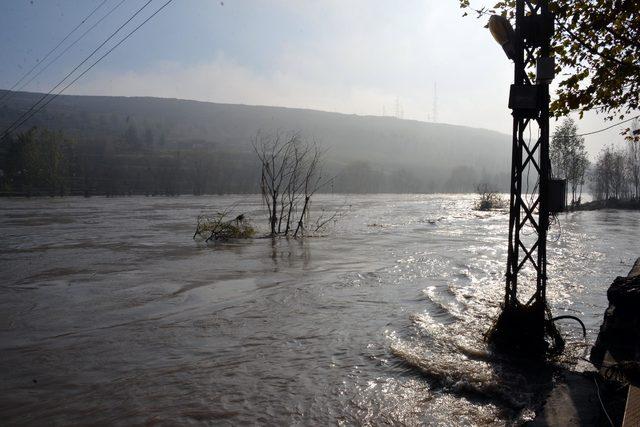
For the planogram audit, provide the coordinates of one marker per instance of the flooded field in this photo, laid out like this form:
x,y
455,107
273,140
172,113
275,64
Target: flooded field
x,y
112,314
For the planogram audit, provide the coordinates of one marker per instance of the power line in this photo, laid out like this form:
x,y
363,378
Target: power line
x,y
90,67
609,127
52,50
71,45
9,129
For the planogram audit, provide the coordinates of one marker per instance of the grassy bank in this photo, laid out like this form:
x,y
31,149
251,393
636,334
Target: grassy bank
x,y
633,204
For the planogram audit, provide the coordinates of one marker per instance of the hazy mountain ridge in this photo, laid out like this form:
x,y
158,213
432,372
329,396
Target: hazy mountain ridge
x,y
433,156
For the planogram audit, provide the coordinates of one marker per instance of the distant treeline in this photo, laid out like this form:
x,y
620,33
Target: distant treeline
x,y
616,172
41,162
614,175
119,146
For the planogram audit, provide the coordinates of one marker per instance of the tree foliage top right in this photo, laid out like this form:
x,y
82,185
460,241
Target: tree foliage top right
x,y
597,51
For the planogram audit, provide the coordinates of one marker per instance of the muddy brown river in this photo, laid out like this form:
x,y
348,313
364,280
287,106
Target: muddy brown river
x,y
113,315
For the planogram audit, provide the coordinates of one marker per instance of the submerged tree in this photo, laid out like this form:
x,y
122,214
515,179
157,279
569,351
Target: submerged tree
x,y
569,158
291,173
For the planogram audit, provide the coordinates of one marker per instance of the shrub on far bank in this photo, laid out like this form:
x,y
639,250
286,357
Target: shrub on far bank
x,y
613,203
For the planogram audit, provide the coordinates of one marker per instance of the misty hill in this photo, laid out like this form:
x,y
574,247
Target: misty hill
x,y
364,153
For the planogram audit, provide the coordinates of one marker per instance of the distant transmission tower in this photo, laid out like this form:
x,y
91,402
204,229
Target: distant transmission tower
x,y
435,102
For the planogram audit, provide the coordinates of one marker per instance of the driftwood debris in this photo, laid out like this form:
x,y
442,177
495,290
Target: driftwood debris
x,y
219,228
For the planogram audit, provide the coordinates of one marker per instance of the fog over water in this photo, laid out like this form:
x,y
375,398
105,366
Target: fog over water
x,y
112,314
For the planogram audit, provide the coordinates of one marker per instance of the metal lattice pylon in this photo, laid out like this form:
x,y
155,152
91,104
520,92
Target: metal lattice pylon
x,y
530,159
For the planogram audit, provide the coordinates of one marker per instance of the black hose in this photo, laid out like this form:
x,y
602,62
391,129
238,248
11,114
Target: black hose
x,y
584,329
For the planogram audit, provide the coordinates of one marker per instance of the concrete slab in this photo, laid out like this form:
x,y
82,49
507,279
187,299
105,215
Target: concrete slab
x,y
573,401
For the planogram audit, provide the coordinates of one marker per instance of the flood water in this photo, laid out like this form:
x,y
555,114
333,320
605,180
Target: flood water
x,y
113,314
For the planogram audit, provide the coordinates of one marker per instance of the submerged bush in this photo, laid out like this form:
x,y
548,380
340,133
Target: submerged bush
x,y
488,199
218,227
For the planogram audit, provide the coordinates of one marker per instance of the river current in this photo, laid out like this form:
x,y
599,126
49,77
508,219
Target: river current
x,y
113,315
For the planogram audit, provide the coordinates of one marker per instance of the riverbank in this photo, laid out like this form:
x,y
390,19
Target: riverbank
x,y
591,398
628,204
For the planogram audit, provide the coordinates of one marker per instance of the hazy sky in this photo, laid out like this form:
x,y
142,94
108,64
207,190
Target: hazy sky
x,y
348,56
